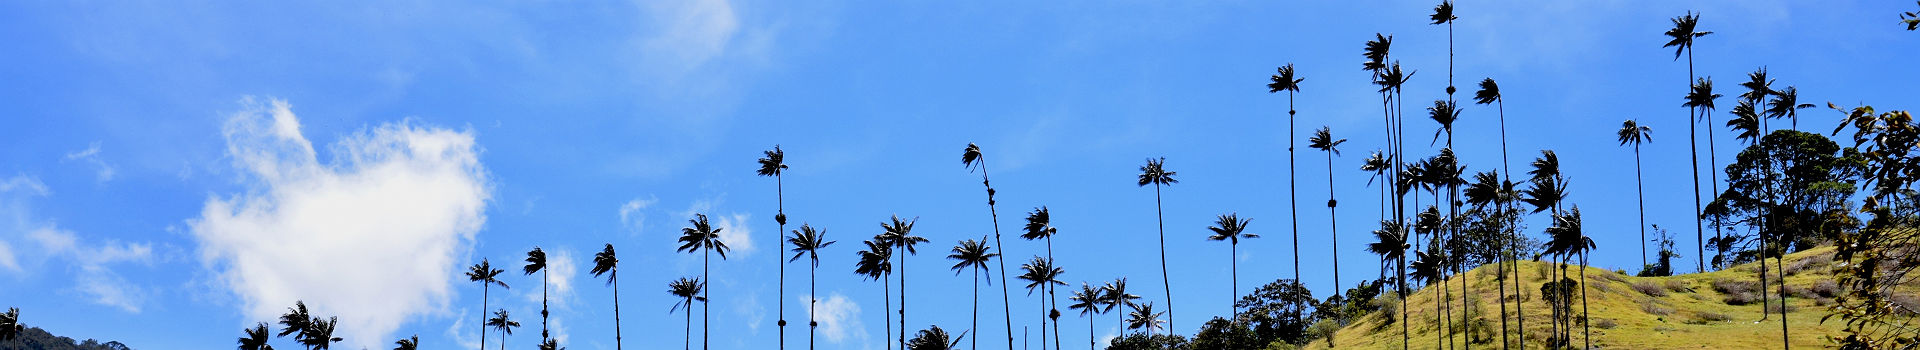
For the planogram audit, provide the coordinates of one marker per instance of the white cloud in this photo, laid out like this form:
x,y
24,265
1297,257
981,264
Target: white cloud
x,y
95,279
374,236
631,215
840,320
91,155
692,32
7,260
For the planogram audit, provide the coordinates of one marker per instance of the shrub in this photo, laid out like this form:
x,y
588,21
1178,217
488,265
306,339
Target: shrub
x,y
1909,302
1741,298
1826,288
1775,308
1726,286
1801,292
1655,308
1816,261
1712,316
1604,323
1677,286
1650,289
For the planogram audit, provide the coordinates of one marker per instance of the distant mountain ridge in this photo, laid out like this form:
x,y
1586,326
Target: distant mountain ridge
x,y
34,338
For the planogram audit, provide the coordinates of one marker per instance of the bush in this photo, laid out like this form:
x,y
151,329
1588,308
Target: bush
x,y
1775,308
1677,286
1711,317
1741,298
1801,292
1324,330
1655,308
1816,261
1650,289
1725,286
1604,323
1825,288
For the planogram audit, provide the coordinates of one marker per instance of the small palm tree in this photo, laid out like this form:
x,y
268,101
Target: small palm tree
x,y
410,343
1231,228
608,263
1323,140
1088,301
297,322
1633,134
899,233
703,237
971,157
1390,243
1156,174
807,242
1143,316
1116,297
934,339
1786,104
537,262
774,164
973,254
551,344
1284,80
876,263
256,338
1041,274
504,323
488,277
1377,166
1566,239
688,290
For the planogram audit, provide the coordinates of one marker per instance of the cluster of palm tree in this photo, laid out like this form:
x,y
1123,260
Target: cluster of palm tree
x,y
309,331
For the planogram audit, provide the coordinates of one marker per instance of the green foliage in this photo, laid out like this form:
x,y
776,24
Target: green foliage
x,y
1222,334
1279,311
1324,330
1789,186
1881,256
36,338
1141,341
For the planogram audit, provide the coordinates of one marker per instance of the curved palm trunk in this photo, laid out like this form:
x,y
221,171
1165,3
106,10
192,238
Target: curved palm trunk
x,y
1333,223
706,322
484,291
616,310
1165,282
1052,297
780,203
1006,305
1512,251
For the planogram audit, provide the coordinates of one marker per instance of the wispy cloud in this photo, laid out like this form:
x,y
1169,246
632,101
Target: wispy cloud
x,y
103,172
633,216
370,236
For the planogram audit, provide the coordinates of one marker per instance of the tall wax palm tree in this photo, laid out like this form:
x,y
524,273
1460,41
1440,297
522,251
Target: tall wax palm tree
x,y
410,343
807,242
320,334
1231,228
606,262
537,262
1376,166
970,157
1759,88
1040,226
1489,93
1633,134
1429,268
705,238
1680,38
774,164
1088,301
1041,274
1143,316
1701,98
1116,296
688,290
899,233
1323,140
876,263
1443,14
1284,80
1155,173
1391,245
973,254
1786,104
1566,239
256,338
1489,192
488,277
297,322
504,323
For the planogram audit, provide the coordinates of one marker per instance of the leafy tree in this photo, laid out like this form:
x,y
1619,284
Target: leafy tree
x,y
807,242
970,157
1224,334
608,263
705,238
1272,309
1148,341
488,277
1794,181
1879,257
774,164
1156,174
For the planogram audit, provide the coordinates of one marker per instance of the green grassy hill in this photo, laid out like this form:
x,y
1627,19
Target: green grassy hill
x,y
1714,310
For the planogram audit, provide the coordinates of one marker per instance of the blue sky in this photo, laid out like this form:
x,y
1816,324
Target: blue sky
x,y
173,172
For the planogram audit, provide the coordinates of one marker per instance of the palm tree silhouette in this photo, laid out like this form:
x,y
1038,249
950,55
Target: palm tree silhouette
x,y
1489,93
1545,191
1390,243
1041,274
1323,140
1285,81
1116,296
10,327
1786,104
807,242
298,322
1680,38
876,263
488,277
1087,300
1429,267
900,234
1143,316
1231,228
503,323
1759,87
319,335
969,158
410,343
1566,239
1488,189
551,344
774,164
688,290
973,254
1633,134
537,262
256,338
934,338
1701,98
1377,166
1040,226
606,262
703,237
1155,173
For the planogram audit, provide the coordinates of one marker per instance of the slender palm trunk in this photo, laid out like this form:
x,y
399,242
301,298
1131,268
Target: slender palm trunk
x,y
616,311
1293,201
903,296
503,339
1233,264
1642,187
1043,320
688,336
1333,223
780,203
1160,213
484,291
1090,344
1053,297
1692,113
1401,279
1586,329
976,306
543,304
1512,251
886,301
813,297
706,321
1006,305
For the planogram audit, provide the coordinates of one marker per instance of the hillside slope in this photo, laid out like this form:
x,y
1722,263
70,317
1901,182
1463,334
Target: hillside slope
x,y
1714,310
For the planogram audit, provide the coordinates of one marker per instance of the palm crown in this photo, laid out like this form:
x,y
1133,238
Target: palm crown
x,y
1376,52
773,163
606,262
1155,173
1489,92
1143,316
485,274
876,261
1116,295
1701,95
1231,228
1087,300
1283,80
807,242
972,253
1323,140
1443,13
688,290
1682,33
536,261
1040,273
702,235
1632,133
502,322
1039,224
